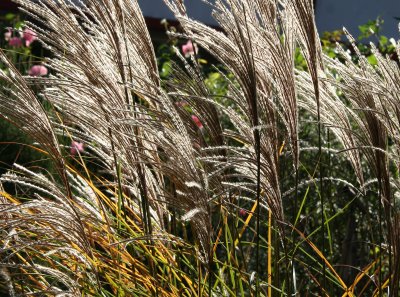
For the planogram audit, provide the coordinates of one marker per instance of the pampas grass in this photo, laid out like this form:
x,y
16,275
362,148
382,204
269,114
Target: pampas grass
x,y
206,200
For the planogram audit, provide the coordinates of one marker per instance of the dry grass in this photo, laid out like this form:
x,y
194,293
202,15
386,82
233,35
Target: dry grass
x,y
165,215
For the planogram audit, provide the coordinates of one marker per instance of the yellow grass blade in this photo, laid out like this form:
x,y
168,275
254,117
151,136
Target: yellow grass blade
x,y
269,253
321,255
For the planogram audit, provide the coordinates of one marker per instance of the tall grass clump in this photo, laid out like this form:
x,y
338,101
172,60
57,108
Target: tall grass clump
x,y
284,183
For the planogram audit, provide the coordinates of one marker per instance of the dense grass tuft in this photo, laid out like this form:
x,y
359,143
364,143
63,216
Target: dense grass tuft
x,y
280,181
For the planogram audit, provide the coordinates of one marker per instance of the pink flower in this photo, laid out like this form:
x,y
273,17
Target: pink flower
x,y
15,41
8,34
242,212
76,147
38,70
197,122
29,36
188,49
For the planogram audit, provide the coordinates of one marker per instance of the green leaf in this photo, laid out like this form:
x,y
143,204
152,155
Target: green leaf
x,y
383,40
214,76
166,69
202,61
372,27
9,16
372,60
19,25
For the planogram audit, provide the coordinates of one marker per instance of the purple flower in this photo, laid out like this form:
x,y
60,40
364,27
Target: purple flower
x,y
242,212
15,42
76,147
197,122
38,70
181,103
